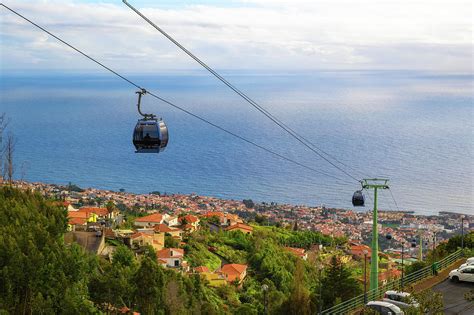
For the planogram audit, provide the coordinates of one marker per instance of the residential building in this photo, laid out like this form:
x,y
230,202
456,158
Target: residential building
x,y
234,272
172,256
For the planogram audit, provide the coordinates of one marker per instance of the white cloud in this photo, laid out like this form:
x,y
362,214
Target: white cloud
x,y
273,34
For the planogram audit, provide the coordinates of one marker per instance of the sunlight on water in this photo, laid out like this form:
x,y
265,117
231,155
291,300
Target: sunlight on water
x,y
416,129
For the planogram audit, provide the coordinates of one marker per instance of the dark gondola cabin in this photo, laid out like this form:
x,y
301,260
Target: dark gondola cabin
x,y
150,136
358,199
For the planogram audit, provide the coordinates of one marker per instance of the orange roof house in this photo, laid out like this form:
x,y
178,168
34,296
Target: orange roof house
x,y
244,228
140,239
77,221
101,212
190,219
224,218
162,228
77,214
170,253
234,272
172,256
300,252
358,250
149,220
201,269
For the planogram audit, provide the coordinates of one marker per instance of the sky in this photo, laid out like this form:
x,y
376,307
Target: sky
x,y
261,35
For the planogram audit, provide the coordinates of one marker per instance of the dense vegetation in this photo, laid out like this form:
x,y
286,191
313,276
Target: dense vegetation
x,y
40,274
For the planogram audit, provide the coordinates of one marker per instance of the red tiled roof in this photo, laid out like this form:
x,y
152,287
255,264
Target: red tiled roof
x,y
99,211
201,269
77,221
140,234
155,217
233,271
239,226
212,214
166,253
162,228
359,249
189,218
297,251
77,214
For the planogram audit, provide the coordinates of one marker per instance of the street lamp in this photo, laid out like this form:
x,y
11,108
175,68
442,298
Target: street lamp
x,y
365,276
265,289
403,264
462,234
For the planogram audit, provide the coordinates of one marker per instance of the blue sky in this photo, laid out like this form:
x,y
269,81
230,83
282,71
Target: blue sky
x,y
294,35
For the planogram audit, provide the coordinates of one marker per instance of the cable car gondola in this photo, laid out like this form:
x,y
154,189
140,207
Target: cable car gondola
x,y
358,199
150,134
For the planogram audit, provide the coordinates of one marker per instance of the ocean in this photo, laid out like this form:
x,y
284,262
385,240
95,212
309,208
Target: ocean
x,y
415,128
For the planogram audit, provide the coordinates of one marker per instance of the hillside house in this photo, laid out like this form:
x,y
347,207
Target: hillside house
x,y
300,252
190,222
163,228
244,228
172,256
234,272
149,220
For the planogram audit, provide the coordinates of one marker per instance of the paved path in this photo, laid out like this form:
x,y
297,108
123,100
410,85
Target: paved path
x,y
453,295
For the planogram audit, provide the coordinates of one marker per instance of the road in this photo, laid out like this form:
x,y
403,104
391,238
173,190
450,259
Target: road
x,y
453,295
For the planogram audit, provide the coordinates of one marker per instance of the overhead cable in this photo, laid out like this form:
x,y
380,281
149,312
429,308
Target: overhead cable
x,y
261,109
170,103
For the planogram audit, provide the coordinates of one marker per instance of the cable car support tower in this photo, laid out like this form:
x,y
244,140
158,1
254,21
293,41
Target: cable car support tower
x,y
375,184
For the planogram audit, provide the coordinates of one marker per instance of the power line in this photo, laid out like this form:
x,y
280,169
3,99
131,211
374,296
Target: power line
x,y
261,109
393,198
170,103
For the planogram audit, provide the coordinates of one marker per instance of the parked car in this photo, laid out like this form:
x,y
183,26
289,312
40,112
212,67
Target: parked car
x,y
462,274
400,299
385,308
467,264
470,260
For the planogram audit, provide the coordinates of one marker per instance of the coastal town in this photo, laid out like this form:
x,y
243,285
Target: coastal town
x,y
176,214
241,248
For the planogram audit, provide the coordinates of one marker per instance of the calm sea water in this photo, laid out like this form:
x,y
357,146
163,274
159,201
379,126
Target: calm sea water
x,y
414,128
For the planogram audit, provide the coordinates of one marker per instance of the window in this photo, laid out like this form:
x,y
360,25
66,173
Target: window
x,y
176,263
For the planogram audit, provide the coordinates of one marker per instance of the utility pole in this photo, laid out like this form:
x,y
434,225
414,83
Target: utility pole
x,y
462,234
375,184
403,265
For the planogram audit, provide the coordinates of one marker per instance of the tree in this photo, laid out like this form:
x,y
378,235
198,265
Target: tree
x,y
430,303
3,127
110,206
171,242
123,256
248,203
299,300
9,149
338,283
38,271
174,296
149,285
